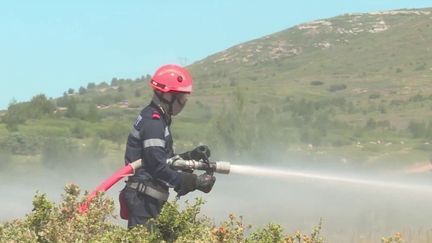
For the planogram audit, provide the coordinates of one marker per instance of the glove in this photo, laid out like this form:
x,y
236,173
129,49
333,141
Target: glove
x,y
191,182
188,183
199,153
205,182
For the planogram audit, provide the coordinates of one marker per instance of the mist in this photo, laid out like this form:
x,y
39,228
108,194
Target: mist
x,y
350,212
355,204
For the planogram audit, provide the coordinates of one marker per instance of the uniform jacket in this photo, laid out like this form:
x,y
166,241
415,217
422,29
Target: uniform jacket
x,y
150,139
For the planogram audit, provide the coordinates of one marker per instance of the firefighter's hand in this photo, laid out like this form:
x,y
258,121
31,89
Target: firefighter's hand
x,y
188,183
205,182
201,152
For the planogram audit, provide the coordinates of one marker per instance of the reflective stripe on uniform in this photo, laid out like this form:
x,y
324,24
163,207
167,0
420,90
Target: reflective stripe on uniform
x,y
135,133
154,142
167,133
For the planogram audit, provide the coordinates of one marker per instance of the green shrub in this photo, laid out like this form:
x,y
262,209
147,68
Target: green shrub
x,y
79,130
316,83
116,132
82,90
16,114
271,233
64,222
21,144
374,96
173,224
337,87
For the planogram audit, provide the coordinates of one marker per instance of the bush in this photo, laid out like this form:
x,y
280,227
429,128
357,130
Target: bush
x,y
20,144
18,113
316,83
79,131
337,87
374,96
417,129
173,224
82,90
91,85
40,106
232,131
64,222
92,113
116,132
71,105
121,88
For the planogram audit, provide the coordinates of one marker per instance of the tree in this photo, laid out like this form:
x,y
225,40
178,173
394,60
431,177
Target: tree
x,y
71,91
91,85
71,106
114,82
93,113
82,90
40,106
15,115
233,130
103,85
115,132
417,129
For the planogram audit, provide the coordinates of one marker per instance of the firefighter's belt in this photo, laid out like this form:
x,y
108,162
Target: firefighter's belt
x,y
149,190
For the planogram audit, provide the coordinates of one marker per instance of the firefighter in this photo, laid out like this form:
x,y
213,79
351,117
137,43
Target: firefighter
x,y
150,140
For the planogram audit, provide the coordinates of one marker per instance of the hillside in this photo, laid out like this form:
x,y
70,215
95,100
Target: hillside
x,y
359,82
386,53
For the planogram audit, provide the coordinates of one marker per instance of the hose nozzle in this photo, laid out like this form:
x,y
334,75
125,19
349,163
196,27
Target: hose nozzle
x,y
221,167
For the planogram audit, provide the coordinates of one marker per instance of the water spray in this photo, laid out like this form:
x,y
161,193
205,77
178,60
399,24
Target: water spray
x,y
223,167
290,174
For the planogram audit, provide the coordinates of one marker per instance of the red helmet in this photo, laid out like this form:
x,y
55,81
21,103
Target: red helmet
x,y
172,78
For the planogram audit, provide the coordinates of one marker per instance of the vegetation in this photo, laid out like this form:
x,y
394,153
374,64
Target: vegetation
x,y
63,222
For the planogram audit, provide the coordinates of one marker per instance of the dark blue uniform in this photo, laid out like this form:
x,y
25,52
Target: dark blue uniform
x,y
150,140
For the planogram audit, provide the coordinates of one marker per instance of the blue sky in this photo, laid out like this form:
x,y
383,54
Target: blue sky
x,y
50,46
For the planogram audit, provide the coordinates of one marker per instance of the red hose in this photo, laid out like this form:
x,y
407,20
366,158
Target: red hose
x,y
128,170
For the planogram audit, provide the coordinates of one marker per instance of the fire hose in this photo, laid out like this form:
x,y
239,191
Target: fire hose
x,y
177,163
